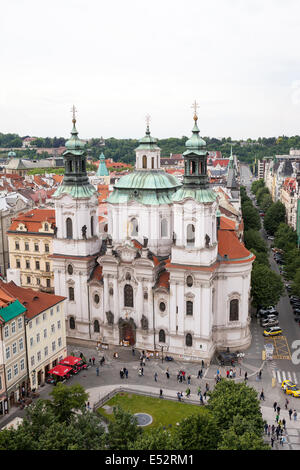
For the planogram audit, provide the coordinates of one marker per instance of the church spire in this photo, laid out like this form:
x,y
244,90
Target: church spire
x,y
195,157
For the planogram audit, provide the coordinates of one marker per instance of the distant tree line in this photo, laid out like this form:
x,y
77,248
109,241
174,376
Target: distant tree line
x,y
123,149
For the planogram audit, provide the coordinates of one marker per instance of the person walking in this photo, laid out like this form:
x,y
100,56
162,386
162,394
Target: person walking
x,y
142,369
93,359
199,391
262,395
167,374
290,413
284,424
201,399
199,375
160,393
286,403
155,376
97,371
202,364
204,394
295,415
275,405
266,428
206,387
189,380
259,374
126,373
246,376
187,392
272,441
269,430
133,351
278,410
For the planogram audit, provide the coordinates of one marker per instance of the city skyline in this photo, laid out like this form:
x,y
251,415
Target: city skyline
x,y
117,63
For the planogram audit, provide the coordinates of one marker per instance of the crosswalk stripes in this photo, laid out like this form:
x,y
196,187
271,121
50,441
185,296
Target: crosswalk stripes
x,y
281,375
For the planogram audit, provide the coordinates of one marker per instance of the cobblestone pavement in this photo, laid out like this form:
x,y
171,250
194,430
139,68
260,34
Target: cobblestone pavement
x,y
109,379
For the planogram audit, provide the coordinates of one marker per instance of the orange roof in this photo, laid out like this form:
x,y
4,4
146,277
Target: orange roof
x,y
35,302
57,178
230,245
5,298
33,220
227,224
163,279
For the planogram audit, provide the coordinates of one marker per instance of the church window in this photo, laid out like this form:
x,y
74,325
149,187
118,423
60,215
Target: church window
x,y
152,163
189,307
96,326
96,298
190,234
234,310
128,296
192,167
144,161
72,323
189,340
134,227
92,226
162,306
189,281
164,228
70,269
71,293
70,166
162,336
46,227
69,228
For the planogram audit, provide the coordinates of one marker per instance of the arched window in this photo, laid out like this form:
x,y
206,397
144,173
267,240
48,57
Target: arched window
x,y
72,323
134,228
96,326
92,226
164,228
71,293
162,336
190,234
144,161
70,163
189,307
128,296
69,228
152,163
234,310
192,167
188,340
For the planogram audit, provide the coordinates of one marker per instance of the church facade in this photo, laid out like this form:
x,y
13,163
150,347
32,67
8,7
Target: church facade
x,y
168,275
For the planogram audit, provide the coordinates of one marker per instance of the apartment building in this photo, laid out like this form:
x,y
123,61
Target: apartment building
x,y
30,238
45,330
13,360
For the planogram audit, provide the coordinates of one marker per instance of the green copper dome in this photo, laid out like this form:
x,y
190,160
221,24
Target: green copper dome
x,y
199,195
74,143
148,142
195,143
147,187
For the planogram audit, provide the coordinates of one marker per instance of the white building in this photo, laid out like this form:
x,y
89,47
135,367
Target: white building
x,y
166,276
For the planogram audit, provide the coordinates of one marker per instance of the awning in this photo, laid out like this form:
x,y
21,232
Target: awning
x,y
70,361
60,370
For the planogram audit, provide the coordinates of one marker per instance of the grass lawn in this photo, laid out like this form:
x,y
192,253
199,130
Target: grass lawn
x,y
163,411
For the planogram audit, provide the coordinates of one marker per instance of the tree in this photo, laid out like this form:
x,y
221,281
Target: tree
x,y
256,185
198,432
266,286
229,400
273,217
250,217
260,257
67,400
158,439
122,431
253,239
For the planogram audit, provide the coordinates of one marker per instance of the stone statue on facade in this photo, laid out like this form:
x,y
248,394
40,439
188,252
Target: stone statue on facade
x,y
144,323
110,317
83,230
207,241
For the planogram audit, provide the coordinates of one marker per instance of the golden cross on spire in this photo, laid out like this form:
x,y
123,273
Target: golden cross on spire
x,y
195,106
73,111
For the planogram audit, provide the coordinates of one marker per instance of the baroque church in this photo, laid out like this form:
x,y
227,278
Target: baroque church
x,y
169,275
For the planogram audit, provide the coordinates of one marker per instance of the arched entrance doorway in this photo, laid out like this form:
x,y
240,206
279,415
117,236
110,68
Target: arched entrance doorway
x,y
127,330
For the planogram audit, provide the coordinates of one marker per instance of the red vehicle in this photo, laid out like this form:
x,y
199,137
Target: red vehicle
x,y
76,363
59,373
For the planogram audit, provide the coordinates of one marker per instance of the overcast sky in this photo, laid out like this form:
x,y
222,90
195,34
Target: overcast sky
x,y
121,59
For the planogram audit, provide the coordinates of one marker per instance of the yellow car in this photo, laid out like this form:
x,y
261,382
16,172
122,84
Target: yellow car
x,y
290,388
272,331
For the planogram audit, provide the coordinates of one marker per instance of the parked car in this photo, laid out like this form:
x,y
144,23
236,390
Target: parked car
x,y
269,322
297,318
227,358
270,309
272,331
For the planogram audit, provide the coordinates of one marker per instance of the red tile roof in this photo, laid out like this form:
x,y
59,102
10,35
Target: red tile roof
x,y
33,220
35,302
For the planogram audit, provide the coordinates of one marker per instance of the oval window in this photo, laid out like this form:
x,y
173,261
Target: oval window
x,y
189,281
162,306
70,269
96,298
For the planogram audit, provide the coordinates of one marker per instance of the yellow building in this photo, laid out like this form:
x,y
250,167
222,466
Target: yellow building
x,y
45,330
30,238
